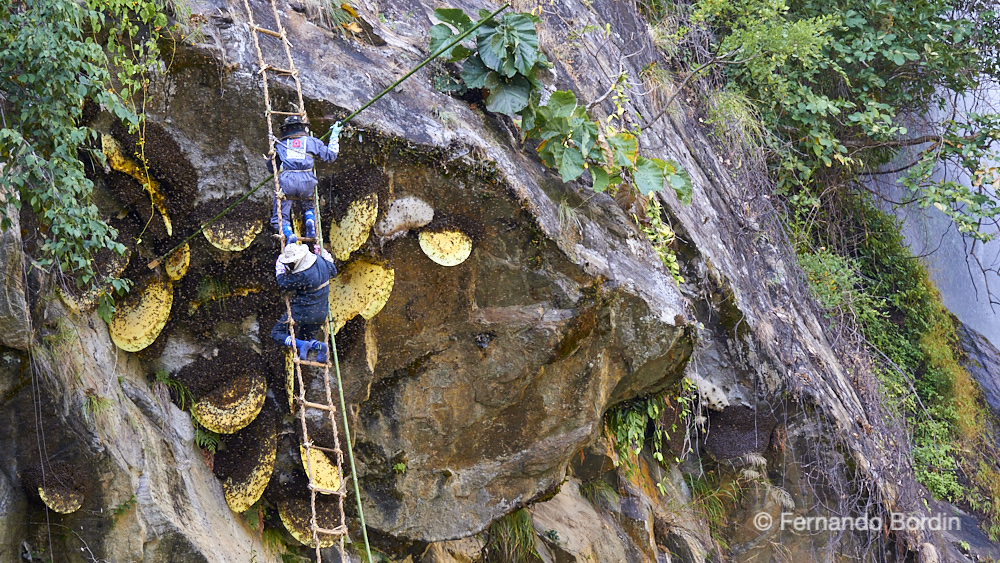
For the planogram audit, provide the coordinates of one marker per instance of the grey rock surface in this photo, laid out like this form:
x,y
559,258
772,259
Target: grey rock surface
x,y
488,381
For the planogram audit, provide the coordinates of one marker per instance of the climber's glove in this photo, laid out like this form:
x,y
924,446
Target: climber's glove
x,y
335,130
279,267
320,251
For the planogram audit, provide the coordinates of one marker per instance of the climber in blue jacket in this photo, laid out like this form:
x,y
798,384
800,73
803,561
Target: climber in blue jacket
x,y
295,159
308,275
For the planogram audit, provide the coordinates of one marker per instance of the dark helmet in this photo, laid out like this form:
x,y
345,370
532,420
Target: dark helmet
x,y
293,126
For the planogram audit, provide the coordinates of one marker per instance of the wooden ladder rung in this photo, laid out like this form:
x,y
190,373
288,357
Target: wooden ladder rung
x,y
326,491
281,71
338,531
299,113
317,406
309,362
322,449
270,32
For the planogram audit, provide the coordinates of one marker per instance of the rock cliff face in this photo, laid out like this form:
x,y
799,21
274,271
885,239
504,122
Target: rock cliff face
x,y
479,388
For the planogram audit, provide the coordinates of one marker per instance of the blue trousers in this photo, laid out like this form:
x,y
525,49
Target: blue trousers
x,y
303,331
297,185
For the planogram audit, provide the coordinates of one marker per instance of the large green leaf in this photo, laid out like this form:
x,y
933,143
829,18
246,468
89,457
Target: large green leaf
x,y
455,18
441,34
624,149
529,114
492,48
474,72
510,46
585,136
507,96
568,161
561,104
557,127
649,175
448,84
680,181
600,178
524,39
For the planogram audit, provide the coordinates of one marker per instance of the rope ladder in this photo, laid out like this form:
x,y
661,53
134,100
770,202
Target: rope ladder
x,y
289,70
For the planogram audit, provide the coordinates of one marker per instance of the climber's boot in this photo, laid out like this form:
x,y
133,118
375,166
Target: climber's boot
x,y
321,351
303,346
310,223
290,237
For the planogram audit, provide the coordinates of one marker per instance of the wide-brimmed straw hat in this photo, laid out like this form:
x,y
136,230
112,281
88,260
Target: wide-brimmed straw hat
x,y
298,257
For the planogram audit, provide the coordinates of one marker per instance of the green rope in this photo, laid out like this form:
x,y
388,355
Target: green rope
x,y
350,448
156,262
435,55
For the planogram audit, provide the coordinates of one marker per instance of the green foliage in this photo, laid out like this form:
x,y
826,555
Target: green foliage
x,y
832,81
203,437
206,439
399,468
359,549
504,59
212,290
935,458
50,63
717,496
626,425
661,236
572,143
890,298
501,56
512,539
94,405
180,393
600,494
122,509
273,541
832,279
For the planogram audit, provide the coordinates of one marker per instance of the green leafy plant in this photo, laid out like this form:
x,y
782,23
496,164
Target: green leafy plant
x,y
503,58
122,509
50,64
511,539
399,468
206,439
834,80
178,390
717,496
600,494
254,515
571,143
94,405
627,425
661,236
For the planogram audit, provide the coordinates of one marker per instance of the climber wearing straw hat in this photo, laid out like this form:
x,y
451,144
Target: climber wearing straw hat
x,y
308,275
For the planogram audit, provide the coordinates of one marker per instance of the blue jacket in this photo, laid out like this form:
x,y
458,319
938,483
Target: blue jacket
x,y
311,302
295,157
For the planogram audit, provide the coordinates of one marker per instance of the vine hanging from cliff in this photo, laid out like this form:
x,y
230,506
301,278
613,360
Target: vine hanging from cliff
x,y
51,63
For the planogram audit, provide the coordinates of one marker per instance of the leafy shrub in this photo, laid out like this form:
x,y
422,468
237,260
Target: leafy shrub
x,y
50,64
832,279
503,57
